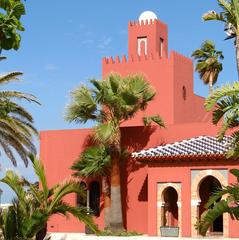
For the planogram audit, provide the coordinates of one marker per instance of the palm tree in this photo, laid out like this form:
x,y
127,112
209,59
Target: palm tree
x,y
95,162
225,104
33,207
110,103
10,24
230,17
16,124
208,65
216,207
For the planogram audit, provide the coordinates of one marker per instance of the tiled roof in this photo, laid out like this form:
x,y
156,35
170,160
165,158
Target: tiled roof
x,y
198,146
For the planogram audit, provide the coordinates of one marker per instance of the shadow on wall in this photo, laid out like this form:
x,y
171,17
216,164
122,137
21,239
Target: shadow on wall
x,y
143,194
134,139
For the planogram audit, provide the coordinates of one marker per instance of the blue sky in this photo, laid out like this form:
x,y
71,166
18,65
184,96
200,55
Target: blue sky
x,y
64,43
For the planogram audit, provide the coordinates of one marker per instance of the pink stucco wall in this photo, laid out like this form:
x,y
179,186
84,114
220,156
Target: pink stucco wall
x,y
60,148
185,118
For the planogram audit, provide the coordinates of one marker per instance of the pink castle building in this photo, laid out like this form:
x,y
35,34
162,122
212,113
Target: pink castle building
x,y
172,171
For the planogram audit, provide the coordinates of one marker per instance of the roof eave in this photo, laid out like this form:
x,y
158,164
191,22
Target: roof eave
x,y
181,157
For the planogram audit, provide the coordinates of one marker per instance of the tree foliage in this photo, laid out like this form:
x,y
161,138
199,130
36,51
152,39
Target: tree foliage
x,y
109,103
94,161
229,16
10,23
16,123
32,207
208,65
225,104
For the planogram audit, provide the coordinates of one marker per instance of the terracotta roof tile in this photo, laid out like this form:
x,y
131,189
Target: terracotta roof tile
x,y
202,145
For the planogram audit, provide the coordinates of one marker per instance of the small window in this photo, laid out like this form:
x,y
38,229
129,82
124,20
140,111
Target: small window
x,y
142,46
184,93
161,47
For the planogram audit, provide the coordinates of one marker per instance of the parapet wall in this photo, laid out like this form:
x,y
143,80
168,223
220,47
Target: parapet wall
x,y
146,23
131,59
176,57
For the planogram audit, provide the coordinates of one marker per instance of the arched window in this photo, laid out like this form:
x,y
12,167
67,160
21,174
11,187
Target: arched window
x,y
184,93
142,46
80,200
94,198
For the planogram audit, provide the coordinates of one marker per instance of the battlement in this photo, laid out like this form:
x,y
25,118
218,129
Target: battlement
x,y
175,56
131,59
146,23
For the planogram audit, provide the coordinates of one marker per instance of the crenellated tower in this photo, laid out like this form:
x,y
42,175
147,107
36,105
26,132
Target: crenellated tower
x,y
171,75
148,37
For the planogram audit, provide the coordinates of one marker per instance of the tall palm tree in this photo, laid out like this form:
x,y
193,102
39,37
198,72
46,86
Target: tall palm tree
x,y
225,104
111,102
217,206
16,124
33,207
230,17
95,162
208,65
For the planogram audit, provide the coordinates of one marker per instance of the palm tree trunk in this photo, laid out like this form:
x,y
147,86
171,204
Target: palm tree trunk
x,y
106,194
210,83
116,218
237,55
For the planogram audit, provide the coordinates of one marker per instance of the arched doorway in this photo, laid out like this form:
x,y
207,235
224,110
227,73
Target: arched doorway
x,y
207,186
170,213
94,198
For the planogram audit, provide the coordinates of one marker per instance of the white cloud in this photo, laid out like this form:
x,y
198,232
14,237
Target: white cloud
x,y
50,67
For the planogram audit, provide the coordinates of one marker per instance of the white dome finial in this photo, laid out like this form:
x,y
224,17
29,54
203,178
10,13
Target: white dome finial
x,y
147,15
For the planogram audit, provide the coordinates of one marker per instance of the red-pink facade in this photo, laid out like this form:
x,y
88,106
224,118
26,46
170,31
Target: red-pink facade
x,y
171,75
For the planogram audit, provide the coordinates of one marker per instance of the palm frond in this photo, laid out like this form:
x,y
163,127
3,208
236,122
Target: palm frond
x,y
18,95
106,132
82,107
156,119
10,77
226,6
94,161
32,208
14,182
211,215
8,152
9,223
79,212
65,189
212,15
228,90
40,172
